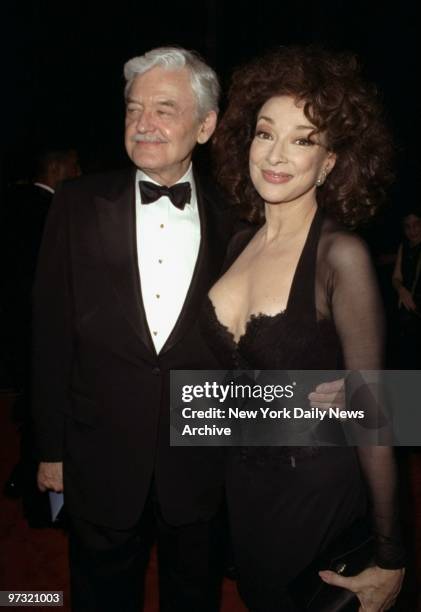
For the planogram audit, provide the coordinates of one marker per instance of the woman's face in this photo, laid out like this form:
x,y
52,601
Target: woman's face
x,y
412,228
285,161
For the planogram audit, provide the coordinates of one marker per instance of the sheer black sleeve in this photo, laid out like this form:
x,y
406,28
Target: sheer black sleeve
x,y
356,308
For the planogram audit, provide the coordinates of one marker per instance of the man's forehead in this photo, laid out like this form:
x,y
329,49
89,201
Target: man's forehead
x,y
159,80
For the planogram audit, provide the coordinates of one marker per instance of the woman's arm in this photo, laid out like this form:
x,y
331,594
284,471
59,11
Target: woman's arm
x,y
358,315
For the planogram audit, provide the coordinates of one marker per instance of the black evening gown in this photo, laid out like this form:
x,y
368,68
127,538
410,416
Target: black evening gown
x,y
286,504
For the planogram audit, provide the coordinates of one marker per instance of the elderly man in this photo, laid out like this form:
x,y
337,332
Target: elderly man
x,y
126,260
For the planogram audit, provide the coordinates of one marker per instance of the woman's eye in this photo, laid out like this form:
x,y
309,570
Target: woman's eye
x,y
305,142
262,134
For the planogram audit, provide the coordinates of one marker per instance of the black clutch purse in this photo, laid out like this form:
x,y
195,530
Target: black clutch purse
x,y
350,554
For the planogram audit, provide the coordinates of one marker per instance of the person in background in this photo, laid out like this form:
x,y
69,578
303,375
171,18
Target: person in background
x,y
406,281
27,206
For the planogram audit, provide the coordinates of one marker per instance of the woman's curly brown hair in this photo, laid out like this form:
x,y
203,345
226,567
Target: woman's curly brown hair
x,y
337,101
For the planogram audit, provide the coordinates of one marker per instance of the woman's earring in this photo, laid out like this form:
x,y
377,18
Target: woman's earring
x,y
322,178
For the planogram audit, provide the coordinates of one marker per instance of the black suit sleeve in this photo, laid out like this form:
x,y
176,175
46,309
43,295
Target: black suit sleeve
x,y
52,333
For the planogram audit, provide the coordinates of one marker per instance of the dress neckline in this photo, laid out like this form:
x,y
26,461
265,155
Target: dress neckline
x,y
310,244
250,321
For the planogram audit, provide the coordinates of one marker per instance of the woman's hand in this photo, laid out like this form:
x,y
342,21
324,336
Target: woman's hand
x,y
376,588
405,298
328,395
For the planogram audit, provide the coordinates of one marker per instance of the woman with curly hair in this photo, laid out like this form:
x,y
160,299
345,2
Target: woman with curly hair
x,y
303,153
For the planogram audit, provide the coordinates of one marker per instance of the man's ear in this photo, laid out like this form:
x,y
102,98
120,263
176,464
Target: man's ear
x,y
207,127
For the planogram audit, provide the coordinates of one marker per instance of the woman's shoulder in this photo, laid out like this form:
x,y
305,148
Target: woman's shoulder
x,y
340,246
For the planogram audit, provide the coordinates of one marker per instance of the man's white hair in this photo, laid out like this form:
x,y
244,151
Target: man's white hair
x,y
204,81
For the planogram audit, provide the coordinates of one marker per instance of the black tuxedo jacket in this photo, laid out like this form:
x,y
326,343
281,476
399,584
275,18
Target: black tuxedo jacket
x,y
101,393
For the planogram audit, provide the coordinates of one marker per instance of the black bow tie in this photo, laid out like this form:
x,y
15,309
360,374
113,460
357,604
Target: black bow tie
x,y
179,194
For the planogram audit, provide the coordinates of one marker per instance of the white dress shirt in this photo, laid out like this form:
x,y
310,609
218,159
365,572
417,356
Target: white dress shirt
x,y
168,241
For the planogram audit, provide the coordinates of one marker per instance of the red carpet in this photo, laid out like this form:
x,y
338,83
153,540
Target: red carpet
x,y
35,559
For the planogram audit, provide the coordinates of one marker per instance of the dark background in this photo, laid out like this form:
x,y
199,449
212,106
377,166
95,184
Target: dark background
x,y
63,63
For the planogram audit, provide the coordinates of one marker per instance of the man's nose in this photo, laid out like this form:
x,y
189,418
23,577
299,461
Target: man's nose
x,y
145,122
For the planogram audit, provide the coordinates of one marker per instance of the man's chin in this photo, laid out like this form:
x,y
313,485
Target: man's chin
x,y
146,162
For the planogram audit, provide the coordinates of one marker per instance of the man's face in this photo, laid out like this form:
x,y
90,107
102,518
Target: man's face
x,y
162,124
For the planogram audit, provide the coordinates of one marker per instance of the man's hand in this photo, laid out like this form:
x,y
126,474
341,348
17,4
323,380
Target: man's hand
x,y
376,588
328,395
50,476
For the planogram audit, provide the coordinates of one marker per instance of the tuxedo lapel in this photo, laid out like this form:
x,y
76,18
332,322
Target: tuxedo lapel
x,y
117,224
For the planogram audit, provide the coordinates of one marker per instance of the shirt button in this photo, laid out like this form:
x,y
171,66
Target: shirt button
x,y
158,296
156,371
155,333
161,225
159,260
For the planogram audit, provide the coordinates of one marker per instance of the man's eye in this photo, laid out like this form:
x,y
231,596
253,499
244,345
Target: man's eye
x,y
165,111
131,110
